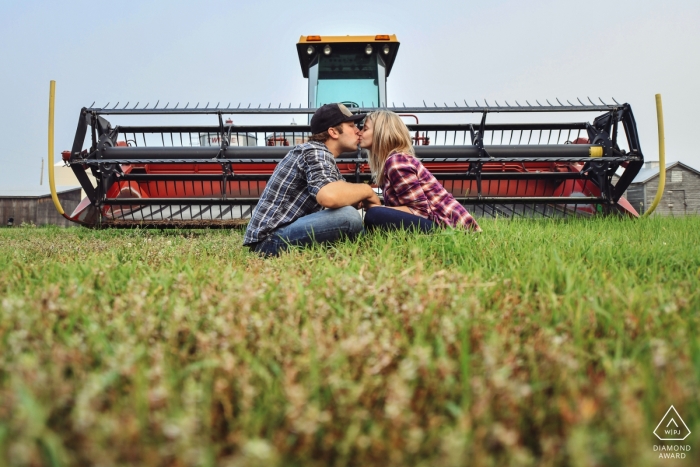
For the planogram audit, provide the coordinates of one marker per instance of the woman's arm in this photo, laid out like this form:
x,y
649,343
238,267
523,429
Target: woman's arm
x,y
404,209
402,175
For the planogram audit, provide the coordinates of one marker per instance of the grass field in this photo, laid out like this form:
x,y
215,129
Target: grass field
x,y
533,343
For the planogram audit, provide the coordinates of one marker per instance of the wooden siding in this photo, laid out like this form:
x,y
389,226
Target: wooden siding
x,y
635,196
680,197
38,210
681,193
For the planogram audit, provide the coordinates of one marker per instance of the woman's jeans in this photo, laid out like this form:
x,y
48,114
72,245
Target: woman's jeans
x,y
392,219
323,226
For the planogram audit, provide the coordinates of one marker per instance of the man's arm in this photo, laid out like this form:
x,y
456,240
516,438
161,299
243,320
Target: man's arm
x,y
341,193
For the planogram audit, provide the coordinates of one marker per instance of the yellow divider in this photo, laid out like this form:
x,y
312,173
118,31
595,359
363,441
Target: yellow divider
x,y
52,181
662,157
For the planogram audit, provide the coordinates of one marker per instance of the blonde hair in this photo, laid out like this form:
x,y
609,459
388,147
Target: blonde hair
x,y
390,135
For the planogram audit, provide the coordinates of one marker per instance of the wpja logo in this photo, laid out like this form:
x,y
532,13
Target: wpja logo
x,y
672,428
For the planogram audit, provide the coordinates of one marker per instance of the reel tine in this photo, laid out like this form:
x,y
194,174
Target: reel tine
x,y
579,100
269,105
507,104
615,101
156,106
589,100
115,105
127,105
559,101
538,102
105,106
476,102
567,101
601,100
145,107
196,105
93,104
518,103
486,102
424,103
207,106
465,103
497,104
178,103
187,105
528,102
550,104
249,104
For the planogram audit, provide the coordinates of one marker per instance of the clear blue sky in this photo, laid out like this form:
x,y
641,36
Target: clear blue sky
x,y
245,52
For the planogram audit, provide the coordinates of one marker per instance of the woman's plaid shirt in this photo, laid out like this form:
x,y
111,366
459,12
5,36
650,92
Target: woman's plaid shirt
x,y
291,191
409,183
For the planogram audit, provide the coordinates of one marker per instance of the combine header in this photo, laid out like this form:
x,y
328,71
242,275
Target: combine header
x,y
190,176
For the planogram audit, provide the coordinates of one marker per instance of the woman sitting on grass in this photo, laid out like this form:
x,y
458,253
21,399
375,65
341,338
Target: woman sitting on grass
x,y
413,197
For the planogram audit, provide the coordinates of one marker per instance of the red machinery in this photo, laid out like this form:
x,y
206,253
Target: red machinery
x,y
175,175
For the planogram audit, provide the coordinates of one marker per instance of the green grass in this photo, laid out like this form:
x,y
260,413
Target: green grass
x,y
533,343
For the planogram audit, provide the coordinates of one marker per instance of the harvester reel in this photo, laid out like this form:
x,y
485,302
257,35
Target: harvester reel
x,y
198,176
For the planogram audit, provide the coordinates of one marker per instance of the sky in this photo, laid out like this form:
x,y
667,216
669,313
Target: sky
x,y
234,51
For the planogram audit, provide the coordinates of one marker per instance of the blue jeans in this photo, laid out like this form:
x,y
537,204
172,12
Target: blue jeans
x,y
392,219
320,227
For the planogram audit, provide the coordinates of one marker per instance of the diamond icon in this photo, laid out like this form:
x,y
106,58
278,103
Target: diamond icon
x,y
672,427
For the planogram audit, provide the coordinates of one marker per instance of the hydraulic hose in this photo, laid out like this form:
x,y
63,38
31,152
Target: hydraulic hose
x,y
52,180
662,157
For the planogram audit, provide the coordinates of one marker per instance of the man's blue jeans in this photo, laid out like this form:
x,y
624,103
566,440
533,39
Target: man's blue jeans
x,y
320,227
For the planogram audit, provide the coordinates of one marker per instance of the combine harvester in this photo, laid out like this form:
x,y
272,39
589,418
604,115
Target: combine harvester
x,y
192,176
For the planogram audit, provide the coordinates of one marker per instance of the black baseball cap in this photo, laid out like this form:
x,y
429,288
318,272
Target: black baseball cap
x,y
329,115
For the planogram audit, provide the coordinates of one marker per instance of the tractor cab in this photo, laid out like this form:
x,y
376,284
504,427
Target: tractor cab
x,y
348,69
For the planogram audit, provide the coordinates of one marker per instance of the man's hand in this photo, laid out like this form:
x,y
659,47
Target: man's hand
x,y
371,202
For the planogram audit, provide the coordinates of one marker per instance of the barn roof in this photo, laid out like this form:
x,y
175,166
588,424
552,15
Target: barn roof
x,y
645,175
34,192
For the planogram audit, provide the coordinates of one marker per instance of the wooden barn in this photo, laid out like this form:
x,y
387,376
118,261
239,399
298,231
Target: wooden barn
x,y
681,193
35,206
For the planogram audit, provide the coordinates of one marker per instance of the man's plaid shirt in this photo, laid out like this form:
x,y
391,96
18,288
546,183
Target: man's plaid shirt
x,y
291,191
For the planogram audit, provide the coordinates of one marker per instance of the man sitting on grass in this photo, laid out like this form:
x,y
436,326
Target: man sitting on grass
x,y
291,208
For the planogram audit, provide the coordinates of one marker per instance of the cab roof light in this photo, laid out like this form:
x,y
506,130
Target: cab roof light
x,y
381,37
318,38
